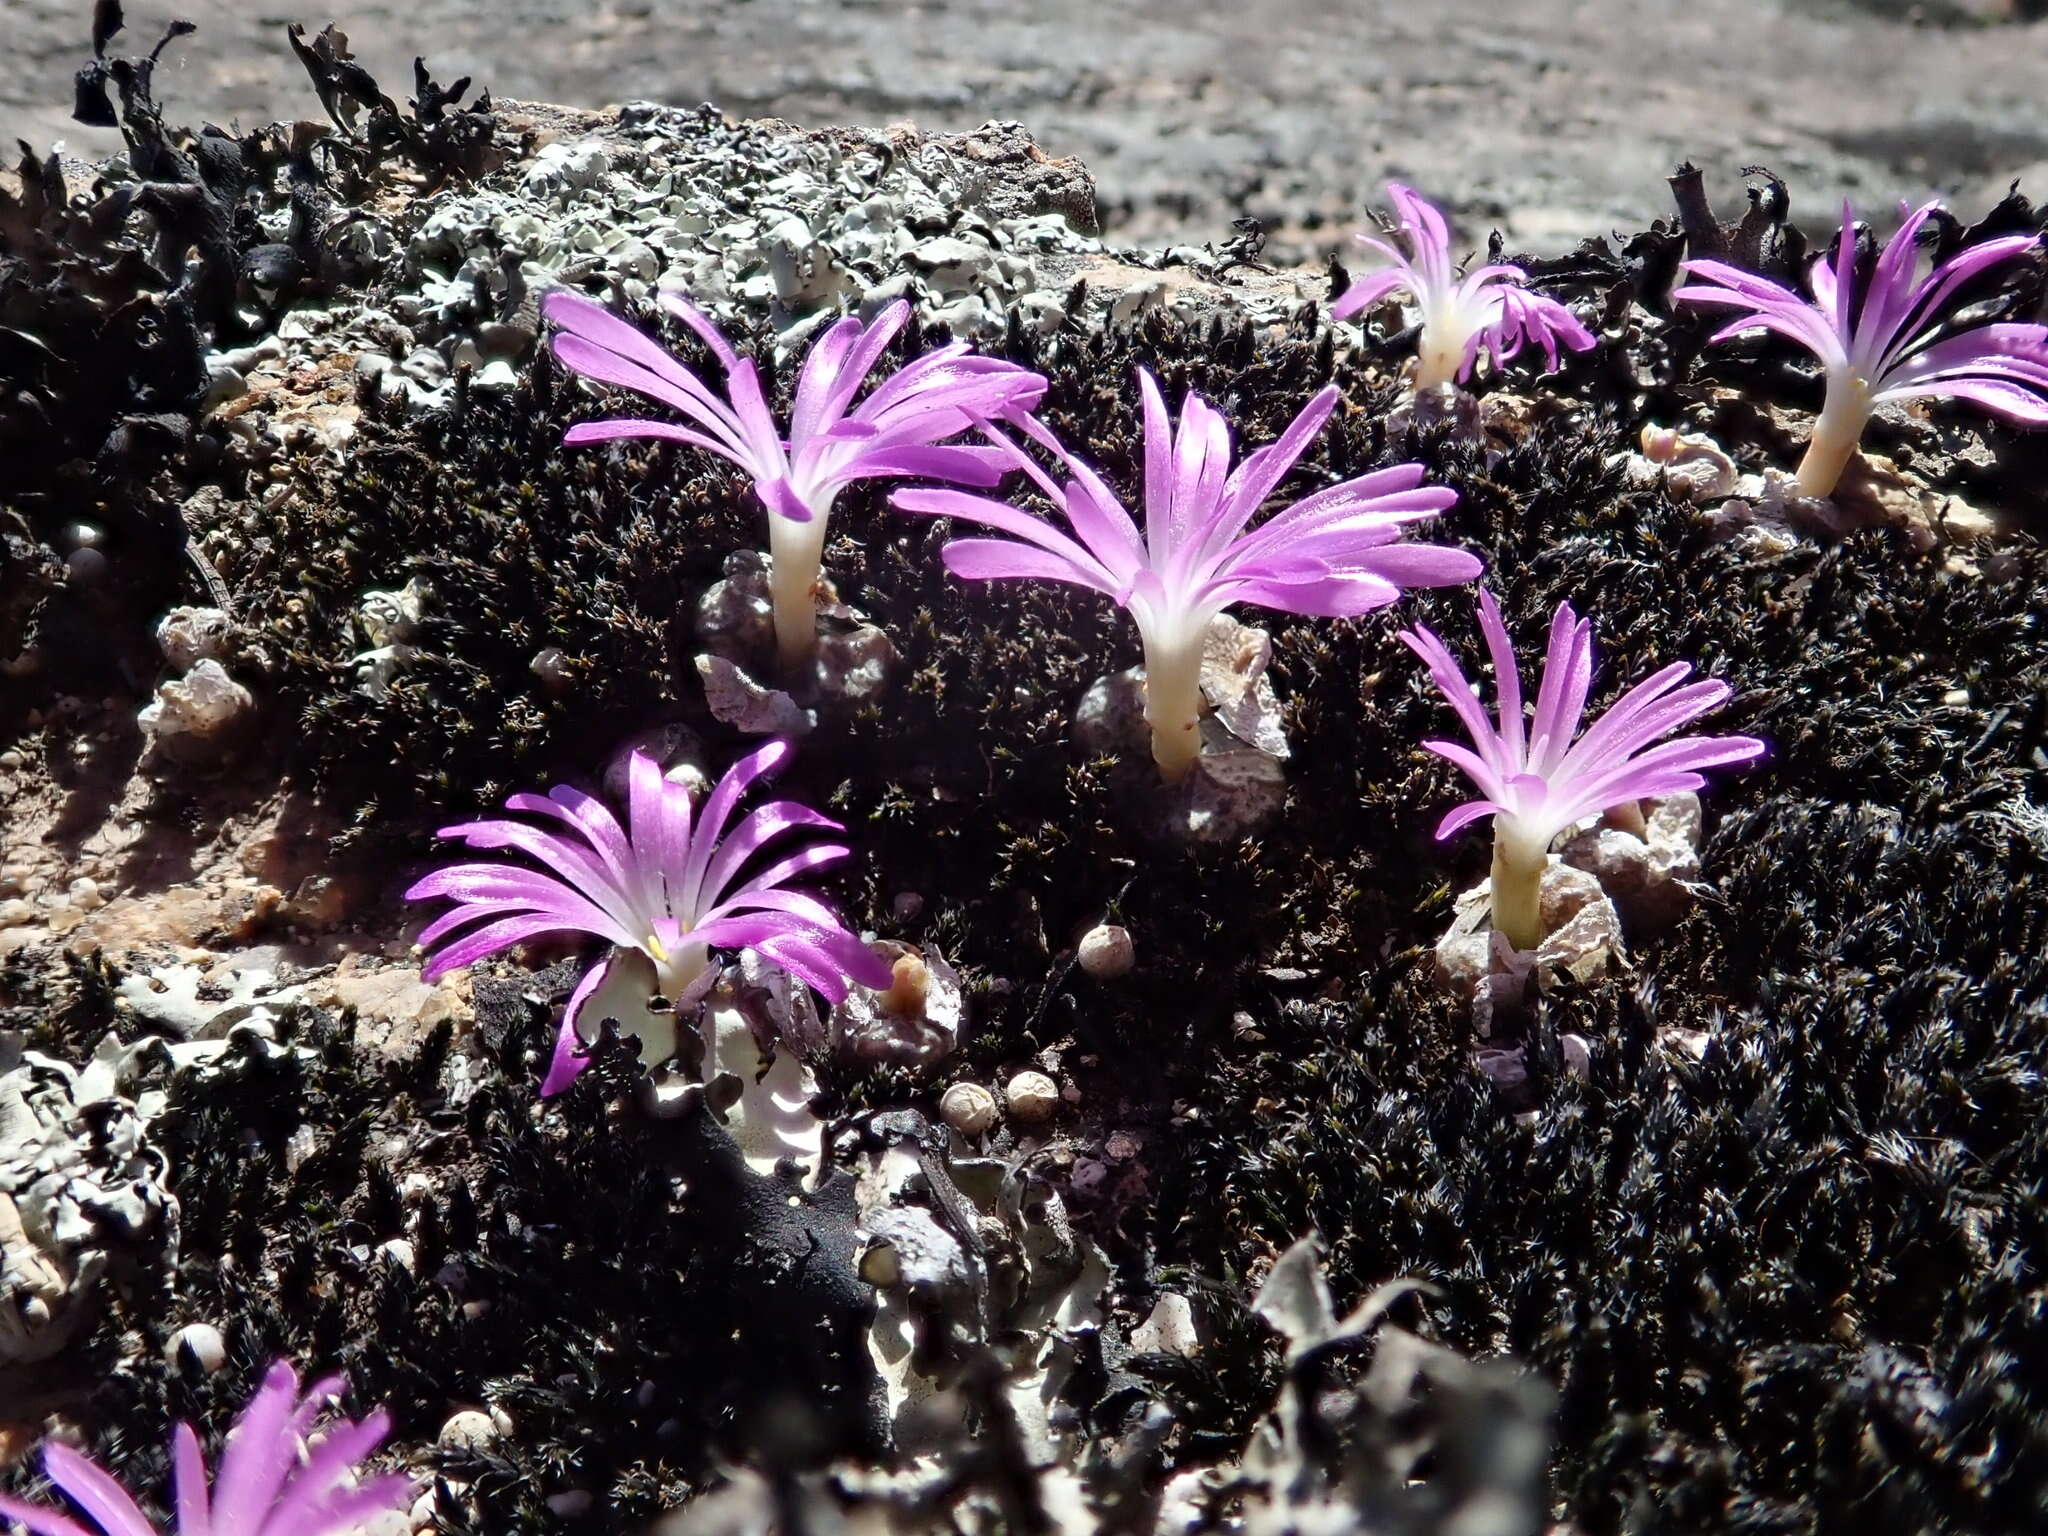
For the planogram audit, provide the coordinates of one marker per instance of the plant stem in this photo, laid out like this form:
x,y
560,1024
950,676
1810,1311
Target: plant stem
x,y
1440,355
1517,888
796,551
1173,704
1836,431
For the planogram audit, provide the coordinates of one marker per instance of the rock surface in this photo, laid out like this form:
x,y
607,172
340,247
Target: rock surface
x,y
1554,118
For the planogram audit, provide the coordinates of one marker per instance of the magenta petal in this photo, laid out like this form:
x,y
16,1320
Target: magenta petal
x,y
780,498
39,1521
755,831
1457,820
1423,565
341,1447
1345,595
1547,776
570,1056
94,1492
489,940
188,1478
962,466
1000,559
2001,397
1368,291
260,1452
627,427
823,364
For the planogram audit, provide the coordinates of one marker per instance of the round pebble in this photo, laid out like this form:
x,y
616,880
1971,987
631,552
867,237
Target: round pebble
x,y
1032,1097
399,1252
209,1349
1106,952
970,1108
469,1430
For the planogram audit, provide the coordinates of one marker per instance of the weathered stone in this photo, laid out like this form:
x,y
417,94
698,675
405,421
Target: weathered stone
x,y
197,719
1032,1097
1582,934
1106,952
1648,872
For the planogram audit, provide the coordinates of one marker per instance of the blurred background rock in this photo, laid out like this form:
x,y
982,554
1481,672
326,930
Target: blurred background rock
x,y
1552,119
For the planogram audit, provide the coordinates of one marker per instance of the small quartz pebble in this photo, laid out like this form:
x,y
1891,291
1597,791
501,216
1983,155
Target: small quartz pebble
x,y
971,1109
1032,1097
209,1349
469,1430
1106,952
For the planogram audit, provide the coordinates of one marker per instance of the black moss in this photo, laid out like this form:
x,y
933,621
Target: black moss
x,y
633,1336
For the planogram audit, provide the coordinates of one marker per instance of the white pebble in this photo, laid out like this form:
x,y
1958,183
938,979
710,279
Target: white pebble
x,y
1107,952
970,1108
209,1349
469,1430
1032,1097
399,1252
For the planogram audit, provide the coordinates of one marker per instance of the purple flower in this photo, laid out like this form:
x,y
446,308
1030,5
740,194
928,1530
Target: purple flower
x,y
1486,310
1535,780
664,896
831,443
1335,554
1885,348
270,1482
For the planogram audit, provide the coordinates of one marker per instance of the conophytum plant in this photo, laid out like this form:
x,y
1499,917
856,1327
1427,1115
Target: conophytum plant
x,y
1334,554
1535,780
1464,316
1888,347
895,432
